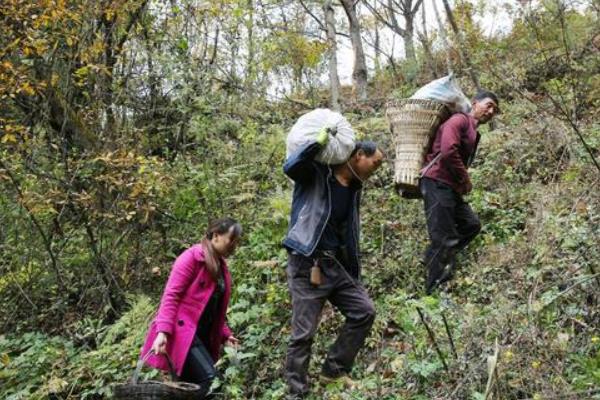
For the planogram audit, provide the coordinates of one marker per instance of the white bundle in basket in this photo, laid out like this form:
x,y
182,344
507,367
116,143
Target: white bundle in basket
x,y
341,135
445,90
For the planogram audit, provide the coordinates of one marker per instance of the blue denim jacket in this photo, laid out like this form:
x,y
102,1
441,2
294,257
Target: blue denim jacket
x,y
311,206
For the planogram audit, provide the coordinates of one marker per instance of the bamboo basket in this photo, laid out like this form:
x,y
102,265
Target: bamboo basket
x,y
156,390
413,123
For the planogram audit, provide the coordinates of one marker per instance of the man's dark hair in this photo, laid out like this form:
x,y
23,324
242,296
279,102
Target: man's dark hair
x,y
367,146
486,94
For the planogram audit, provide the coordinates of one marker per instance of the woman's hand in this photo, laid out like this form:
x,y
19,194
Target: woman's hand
x,y
232,341
160,343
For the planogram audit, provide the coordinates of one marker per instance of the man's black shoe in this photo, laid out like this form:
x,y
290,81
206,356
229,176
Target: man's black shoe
x,y
446,275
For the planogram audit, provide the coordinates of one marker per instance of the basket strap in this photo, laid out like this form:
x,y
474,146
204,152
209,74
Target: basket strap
x,y
431,163
142,361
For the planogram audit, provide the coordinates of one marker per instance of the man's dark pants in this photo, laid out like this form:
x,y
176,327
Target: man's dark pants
x,y
451,224
344,293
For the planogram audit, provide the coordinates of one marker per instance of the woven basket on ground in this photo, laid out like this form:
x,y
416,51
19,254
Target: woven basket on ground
x,y
413,123
155,390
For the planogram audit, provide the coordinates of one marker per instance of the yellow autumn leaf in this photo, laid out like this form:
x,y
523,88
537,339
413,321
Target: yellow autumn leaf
x,y
27,89
56,385
82,71
9,137
130,215
136,191
397,364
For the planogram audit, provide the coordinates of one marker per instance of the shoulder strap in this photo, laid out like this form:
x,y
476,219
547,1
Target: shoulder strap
x,y
430,164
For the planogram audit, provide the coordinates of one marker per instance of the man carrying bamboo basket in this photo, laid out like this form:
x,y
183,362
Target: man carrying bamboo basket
x,y
451,223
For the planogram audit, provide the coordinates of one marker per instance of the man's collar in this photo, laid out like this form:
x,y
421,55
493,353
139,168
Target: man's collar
x,y
354,183
473,120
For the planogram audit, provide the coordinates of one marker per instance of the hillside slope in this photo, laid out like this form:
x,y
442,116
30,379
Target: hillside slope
x,y
519,321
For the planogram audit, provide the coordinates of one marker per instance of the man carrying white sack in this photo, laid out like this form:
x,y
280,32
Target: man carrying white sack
x,y
323,264
451,222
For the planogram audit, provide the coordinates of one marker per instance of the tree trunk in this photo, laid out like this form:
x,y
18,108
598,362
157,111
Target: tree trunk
x,y
334,80
106,80
408,37
444,37
377,51
424,39
113,48
387,15
250,67
464,55
359,74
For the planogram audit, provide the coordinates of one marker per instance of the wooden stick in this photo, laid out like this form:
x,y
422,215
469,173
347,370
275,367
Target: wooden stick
x,y
492,362
449,336
432,337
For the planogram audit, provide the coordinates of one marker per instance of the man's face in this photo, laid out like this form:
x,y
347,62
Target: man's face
x,y
484,110
365,165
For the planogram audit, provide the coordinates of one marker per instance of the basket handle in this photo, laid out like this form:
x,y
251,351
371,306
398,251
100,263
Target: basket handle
x,y
142,361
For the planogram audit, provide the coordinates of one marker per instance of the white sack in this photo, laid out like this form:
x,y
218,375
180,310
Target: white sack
x,y
445,90
306,129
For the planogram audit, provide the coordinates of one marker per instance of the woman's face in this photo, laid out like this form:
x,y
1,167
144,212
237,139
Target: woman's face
x,y
225,243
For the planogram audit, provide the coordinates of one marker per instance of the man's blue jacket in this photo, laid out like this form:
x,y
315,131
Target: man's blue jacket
x,y
311,206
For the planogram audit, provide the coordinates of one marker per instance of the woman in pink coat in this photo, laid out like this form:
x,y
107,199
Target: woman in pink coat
x,y
190,325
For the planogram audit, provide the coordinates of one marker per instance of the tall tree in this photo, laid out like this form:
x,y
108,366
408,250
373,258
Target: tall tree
x,y
359,73
334,81
386,12
250,63
377,49
462,50
443,36
424,39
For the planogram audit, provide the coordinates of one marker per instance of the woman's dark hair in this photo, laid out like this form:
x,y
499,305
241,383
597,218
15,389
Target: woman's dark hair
x,y
367,146
219,226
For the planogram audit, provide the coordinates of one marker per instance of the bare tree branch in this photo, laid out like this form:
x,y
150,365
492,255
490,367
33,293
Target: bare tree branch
x,y
321,25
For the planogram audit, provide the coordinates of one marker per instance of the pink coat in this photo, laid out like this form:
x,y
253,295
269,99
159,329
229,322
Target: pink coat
x,y
188,290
